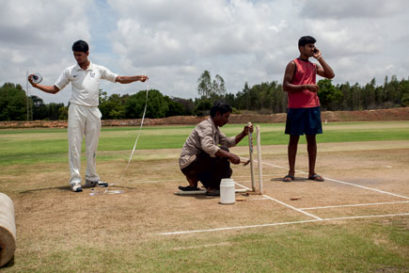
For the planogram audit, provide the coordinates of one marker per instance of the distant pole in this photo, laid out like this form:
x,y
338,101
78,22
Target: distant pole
x,y
27,94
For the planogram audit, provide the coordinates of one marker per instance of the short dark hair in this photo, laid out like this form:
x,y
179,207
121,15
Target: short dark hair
x,y
80,46
306,40
220,107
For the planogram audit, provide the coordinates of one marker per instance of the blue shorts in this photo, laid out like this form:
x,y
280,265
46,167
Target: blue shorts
x,y
303,121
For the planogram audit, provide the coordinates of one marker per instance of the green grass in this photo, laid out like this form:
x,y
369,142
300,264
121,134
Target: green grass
x,y
25,146
307,248
353,246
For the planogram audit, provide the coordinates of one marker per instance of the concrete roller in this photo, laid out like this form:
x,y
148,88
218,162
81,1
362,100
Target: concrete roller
x,y
7,229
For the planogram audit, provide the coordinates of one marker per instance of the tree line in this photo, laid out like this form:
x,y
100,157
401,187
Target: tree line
x,y
266,97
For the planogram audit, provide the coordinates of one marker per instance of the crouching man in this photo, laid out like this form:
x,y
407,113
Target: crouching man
x,y
205,155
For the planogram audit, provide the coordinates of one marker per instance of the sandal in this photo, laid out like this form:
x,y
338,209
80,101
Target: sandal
x,y
188,188
288,178
317,178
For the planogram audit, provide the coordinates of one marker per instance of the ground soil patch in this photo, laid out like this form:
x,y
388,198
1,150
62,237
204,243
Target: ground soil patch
x,y
327,116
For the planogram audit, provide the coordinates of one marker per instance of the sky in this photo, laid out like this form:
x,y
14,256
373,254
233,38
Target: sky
x,y
174,41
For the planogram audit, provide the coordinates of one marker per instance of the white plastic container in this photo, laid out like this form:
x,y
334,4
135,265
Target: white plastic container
x,y
227,192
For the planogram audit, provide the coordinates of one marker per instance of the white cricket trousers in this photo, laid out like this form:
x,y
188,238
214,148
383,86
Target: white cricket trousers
x,y
83,121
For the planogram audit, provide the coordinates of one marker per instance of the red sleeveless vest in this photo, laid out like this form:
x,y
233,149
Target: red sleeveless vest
x,y
305,74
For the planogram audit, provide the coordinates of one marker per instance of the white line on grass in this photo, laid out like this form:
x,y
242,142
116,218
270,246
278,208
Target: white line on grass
x,y
357,205
232,228
284,204
367,188
291,207
282,223
244,187
348,183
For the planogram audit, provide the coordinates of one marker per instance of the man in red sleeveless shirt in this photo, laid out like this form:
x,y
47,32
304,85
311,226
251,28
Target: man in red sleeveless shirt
x,y
304,116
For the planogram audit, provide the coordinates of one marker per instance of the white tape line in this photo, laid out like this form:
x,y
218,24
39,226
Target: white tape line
x,y
367,188
291,207
140,128
285,204
348,183
244,187
139,134
282,223
357,205
366,216
232,228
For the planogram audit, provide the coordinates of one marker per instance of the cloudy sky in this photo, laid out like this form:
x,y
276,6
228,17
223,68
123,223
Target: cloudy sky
x,y
174,41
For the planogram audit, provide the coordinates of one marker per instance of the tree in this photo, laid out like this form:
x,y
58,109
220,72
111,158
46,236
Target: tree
x,y
13,104
187,104
174,108
330,97
208,88
404,87
112,107
157,105
204,87
55,111
39,108
202,106
218,86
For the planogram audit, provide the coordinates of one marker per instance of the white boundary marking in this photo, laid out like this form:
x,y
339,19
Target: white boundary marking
x,y
285,204
282,223
244,187
294,208
367,188
301,210
348,183
357,205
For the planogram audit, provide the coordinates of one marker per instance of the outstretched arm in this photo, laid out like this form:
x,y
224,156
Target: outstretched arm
x,y
324,70
288,77
52,89
129,79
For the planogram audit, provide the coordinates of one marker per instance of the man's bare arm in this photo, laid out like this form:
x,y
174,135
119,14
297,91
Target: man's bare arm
x,y
288,77
245,132
235,159
324,70
129,79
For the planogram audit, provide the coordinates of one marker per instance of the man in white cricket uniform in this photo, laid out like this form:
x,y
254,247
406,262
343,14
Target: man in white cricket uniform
x,y
84,117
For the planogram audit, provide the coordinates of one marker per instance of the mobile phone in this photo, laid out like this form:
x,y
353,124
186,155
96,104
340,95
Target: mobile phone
x,y
315,50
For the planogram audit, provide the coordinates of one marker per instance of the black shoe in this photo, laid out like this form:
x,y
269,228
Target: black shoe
x,y
92,184
102,184
213,193
188,188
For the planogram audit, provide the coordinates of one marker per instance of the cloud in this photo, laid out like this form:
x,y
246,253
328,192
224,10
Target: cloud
x,y
226,38
346,9
37,35
175,41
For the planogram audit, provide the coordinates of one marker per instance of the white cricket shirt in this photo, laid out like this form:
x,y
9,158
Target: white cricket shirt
x,y
85,83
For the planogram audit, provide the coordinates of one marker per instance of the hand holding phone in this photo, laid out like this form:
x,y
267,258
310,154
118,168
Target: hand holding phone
x,y
316,53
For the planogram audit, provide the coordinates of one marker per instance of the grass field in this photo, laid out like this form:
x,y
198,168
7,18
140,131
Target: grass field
x,y
356,221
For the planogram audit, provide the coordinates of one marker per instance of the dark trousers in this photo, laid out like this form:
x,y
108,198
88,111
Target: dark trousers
x,y
209,170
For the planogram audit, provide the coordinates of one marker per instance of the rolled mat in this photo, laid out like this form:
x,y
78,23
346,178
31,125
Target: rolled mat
x,y
7,229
